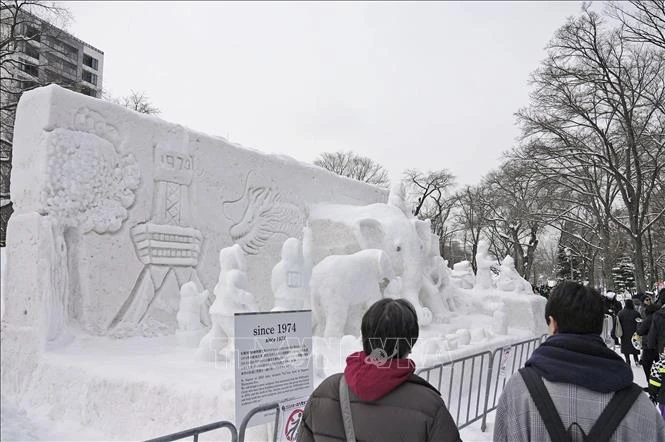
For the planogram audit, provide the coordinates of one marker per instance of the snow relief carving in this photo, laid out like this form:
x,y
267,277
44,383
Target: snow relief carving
x,y
167,244
263,212
90,183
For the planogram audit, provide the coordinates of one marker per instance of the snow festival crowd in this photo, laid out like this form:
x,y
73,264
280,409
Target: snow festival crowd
x,y
574,387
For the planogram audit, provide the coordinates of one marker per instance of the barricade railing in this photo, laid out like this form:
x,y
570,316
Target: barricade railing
x,y
194,432
461,383
255,411
505,362
466,380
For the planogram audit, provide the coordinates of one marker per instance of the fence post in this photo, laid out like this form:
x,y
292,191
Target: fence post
x,y
483,424
250,415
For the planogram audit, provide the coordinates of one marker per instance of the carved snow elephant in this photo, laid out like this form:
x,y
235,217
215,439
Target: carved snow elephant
x,y
342,230
344,285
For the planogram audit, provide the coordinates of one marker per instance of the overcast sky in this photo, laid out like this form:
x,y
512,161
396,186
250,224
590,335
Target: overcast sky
x,y
410,85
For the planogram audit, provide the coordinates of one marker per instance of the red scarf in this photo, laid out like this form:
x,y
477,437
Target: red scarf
x,y
372,379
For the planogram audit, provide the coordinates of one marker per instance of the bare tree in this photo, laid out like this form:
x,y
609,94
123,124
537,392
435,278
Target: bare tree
x,y
136,100
644,20
599,105
519,205
352,165
471,216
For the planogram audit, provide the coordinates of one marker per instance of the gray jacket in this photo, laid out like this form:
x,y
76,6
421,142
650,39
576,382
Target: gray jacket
x,y
412,412
517,418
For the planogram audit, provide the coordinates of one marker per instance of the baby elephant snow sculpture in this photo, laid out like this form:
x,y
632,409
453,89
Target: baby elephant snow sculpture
x,y
231,297
339,229
341,282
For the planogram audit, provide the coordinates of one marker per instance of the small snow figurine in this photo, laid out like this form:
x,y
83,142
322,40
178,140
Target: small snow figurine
x,y
484,262
189,313
190,321
511,281
288,278
231,297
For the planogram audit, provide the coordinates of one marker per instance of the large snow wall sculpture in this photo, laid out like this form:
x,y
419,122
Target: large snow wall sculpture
x,y
115,211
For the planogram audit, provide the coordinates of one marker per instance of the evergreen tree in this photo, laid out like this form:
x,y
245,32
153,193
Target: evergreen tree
x,y
563,262
623,275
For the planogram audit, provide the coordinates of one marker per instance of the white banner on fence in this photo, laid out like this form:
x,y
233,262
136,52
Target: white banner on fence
x,y
273,360
289,418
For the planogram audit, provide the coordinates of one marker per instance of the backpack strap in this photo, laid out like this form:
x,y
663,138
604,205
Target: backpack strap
x,y
544,404
345,406
614,412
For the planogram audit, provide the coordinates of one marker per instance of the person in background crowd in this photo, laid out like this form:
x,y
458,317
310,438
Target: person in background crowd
x,y
627,318
649,354
648,300
656,336
656,388
612,307
382,398
660,299
638,303
580,375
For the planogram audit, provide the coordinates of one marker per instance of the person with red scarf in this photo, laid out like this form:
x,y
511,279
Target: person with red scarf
x,y
385,400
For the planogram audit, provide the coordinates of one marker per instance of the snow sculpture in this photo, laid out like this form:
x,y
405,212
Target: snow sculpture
x,y
166,243
462,275
266,212
463,336
397,197
500,323
91,184
290,278
231,297
433,293
190,322
511,281
483,263
344,286
343,230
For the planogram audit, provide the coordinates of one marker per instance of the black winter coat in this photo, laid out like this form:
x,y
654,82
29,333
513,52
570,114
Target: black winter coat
x,y
627,319
643,330
656,336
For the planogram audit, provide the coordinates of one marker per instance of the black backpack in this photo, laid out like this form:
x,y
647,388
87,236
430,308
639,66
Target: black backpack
x,y
602,429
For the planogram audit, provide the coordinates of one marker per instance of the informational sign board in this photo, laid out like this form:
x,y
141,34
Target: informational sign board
x,y
273,360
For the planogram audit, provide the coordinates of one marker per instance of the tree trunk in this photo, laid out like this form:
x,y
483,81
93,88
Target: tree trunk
x,y
653,274
640,281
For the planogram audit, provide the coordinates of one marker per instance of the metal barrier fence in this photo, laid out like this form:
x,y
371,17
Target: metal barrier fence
x,y
462,382
194,432
466,379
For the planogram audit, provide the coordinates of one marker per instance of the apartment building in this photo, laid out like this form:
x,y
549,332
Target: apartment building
x,y
38,54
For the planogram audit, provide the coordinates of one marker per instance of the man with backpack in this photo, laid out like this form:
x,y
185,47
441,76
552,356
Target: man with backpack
x,y
573,387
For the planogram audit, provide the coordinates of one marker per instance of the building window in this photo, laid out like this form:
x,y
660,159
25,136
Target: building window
x,y
31,51
88,91
90,61
29,69
32,33
89,77
28,84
